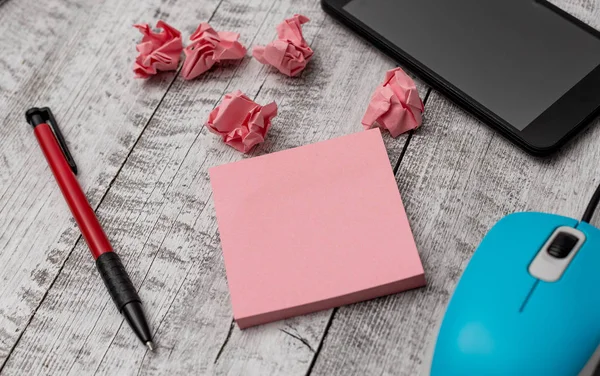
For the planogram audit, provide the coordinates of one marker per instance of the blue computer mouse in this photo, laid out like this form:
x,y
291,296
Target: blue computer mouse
x,y
528,302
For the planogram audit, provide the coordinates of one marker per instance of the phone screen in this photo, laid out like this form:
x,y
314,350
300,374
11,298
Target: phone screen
x,y
515,57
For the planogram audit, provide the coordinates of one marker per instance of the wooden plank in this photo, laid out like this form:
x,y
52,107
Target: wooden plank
x,y
457,179
72,57
160,218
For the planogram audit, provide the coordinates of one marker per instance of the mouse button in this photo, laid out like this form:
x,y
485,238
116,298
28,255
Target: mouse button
x,y
497,271
588,257
559,314
508,248
581,275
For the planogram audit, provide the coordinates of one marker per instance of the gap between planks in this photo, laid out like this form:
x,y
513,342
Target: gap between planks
x,y
332,316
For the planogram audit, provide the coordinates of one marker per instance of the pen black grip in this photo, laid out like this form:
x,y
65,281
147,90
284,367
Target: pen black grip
x,y
116,279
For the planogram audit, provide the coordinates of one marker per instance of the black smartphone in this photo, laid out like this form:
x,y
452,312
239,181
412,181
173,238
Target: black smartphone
x,y
525,67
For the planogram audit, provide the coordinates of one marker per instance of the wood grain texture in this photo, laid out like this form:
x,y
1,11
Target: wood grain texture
x,y
456,179
159,215
76,57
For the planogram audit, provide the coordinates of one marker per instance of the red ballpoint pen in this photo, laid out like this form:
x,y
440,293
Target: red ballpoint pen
x,y
108,263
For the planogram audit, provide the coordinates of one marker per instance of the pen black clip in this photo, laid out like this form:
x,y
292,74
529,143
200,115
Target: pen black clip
x,y
36,116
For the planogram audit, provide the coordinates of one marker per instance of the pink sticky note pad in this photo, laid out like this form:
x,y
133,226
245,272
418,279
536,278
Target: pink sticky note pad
x,y
313,228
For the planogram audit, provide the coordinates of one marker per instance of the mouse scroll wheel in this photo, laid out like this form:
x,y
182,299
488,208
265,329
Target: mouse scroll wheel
x,y
562,245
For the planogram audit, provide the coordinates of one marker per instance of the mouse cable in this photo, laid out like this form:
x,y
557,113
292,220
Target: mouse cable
x,y
591,208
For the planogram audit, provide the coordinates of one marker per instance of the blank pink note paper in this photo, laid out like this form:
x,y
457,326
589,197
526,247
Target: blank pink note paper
x,y
312,228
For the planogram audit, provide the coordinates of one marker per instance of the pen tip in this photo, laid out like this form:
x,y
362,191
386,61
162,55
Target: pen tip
x,y
150,345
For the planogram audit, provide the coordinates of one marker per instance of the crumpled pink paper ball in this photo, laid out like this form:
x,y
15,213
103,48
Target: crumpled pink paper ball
x,y
395,104
209,47
157,51
289,52
241,122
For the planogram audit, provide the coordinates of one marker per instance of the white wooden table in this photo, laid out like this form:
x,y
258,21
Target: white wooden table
x,y
143,157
